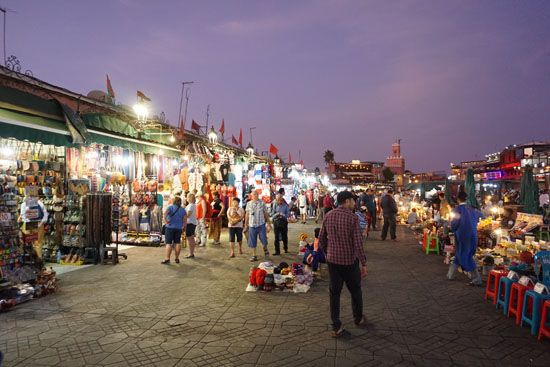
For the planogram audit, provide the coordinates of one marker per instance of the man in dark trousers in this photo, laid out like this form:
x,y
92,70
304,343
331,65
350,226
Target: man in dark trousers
x,y
342,242
370,203
279,216
389,211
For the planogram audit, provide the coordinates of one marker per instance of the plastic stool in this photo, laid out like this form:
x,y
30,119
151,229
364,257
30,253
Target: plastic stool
x,y
544,328
432,241
533,318
503,294
492,284
515,306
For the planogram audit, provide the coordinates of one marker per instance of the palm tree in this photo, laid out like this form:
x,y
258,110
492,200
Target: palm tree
x,y
329,157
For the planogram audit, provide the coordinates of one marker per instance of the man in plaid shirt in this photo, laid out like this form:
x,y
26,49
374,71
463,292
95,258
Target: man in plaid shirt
x,y
342,242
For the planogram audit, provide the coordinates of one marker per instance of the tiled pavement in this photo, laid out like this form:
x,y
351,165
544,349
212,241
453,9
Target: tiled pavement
x,y
141,313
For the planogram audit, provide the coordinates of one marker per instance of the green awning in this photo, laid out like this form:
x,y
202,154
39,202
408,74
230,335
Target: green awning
x,y
109,123
132,144
35,129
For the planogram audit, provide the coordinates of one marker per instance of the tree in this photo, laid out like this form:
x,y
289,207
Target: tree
x,y
329,157
388,174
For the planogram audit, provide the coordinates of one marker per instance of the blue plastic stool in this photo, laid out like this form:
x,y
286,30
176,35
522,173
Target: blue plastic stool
x,y
503,294
533,320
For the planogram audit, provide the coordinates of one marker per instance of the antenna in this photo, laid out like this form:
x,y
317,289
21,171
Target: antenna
x,y
181,102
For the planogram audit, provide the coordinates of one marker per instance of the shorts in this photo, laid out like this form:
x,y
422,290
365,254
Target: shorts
x,y
190,230
303,210
172,236
253,234
235,232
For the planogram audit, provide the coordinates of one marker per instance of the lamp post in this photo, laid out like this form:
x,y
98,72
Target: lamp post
x,y
213,136
250,150
277,160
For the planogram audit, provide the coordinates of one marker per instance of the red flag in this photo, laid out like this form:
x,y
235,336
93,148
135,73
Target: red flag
x,y
110,90
181,131
195,126
289,158
142,96
241,137
273,149
222,128
234,140
302,163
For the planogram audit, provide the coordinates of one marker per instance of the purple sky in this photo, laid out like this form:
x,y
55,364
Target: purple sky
x,y
453,79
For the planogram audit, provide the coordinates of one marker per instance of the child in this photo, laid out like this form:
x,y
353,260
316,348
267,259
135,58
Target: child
x,y
413,217
314,255
363,222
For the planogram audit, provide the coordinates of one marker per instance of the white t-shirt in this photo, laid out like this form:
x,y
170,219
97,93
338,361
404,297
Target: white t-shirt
x,y
302,200
191,210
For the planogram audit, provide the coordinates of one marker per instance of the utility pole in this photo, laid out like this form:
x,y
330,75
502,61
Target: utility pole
x,y
181,102
4,10
252,128
207,117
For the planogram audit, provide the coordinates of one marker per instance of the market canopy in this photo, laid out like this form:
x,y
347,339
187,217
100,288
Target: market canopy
x,y
35,129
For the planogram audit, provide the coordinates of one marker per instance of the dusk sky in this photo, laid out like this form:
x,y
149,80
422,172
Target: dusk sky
x,y
453,79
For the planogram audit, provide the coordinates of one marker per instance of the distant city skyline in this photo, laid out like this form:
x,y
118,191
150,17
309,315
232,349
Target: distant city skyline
x,y
454,80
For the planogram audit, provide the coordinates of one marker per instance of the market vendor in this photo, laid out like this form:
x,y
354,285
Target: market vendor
x,y
34,215
464,226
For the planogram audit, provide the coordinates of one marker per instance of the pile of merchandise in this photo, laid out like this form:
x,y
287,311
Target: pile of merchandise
x,y
21,284
284,277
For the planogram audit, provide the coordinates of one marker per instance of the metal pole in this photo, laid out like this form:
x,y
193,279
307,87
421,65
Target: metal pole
x,y
252,128
186,103
181,102
3,10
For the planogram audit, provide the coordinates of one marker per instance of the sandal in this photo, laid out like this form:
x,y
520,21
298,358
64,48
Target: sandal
x,y
166,262
177,261
190,257
232,255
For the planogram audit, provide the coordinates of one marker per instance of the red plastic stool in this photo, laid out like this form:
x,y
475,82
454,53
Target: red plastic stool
x,y
544,329
515,307
492,284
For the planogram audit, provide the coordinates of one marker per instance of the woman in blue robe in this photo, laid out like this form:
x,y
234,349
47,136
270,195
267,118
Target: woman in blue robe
x,y
464,226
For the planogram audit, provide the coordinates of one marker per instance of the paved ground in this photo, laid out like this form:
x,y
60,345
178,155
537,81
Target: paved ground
x,y
141,313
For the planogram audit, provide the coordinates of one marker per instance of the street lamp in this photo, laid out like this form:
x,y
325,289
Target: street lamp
x,y
141,111
250,149
213,136
277,160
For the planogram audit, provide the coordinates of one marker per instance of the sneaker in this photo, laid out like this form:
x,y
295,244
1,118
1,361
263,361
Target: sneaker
x,y
190,257
254,258
361,322
266,252
166,262
276,254
339,332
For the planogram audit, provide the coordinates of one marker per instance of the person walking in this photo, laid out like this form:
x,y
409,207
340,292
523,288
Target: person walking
x,y
256,222
216,220
389,211
342,242
191,211
302,203
175,219
464,226
201,233
235,219
370,203
279,216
